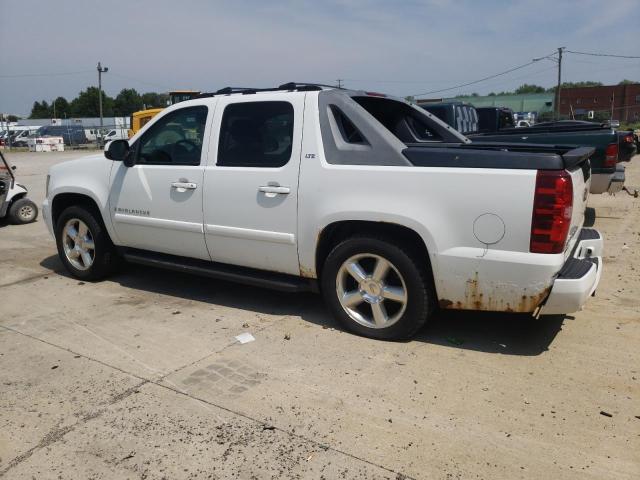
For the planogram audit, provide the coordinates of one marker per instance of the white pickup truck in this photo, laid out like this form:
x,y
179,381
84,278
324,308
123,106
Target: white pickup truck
x,y
386,210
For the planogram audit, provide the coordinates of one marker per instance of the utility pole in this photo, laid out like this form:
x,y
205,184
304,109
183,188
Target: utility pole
x,y
613,99
560,49
8,140
101,70
3,119
340,80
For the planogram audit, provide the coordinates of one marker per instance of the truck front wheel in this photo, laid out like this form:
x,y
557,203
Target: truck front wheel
x,y
376,288
84,245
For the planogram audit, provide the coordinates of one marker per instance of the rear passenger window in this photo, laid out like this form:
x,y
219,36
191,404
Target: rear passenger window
x,y
256,134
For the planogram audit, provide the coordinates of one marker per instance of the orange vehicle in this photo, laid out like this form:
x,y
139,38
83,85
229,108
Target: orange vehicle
x,y
140,118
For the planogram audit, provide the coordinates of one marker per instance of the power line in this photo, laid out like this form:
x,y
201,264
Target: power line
x,y
601,54
519,67
521,77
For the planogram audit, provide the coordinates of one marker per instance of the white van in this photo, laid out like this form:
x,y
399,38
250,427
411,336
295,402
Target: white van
x,y
20,135
116,134
91,134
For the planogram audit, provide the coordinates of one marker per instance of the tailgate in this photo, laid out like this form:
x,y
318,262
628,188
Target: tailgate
x,y
581,180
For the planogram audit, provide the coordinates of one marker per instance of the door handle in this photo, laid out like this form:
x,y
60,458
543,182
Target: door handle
x,y
184,186
274,189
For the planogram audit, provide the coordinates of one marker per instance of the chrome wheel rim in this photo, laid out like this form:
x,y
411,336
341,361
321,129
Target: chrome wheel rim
x,y
78,244
371,290
26,212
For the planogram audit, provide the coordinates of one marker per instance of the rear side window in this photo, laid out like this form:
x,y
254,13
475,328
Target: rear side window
x,y
256,134
348,131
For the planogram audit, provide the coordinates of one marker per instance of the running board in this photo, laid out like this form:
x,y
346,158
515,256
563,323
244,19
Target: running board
x,y
221,271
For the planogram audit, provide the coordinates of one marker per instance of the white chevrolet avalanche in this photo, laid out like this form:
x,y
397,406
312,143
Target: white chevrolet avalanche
x,y
377,204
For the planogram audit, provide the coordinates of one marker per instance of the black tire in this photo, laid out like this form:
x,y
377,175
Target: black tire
x,y
413,272
105,256
23,211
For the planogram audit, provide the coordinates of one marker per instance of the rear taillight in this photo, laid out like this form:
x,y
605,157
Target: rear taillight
x,y
552,207
611,155
627,138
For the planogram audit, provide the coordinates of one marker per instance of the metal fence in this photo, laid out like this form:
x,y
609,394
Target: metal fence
x,y
75,134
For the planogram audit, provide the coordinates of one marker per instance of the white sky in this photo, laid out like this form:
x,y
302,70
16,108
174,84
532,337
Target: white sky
x,y
400,47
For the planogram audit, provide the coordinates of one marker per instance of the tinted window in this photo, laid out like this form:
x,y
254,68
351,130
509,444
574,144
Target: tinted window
x,y
256,134
175,138
348,130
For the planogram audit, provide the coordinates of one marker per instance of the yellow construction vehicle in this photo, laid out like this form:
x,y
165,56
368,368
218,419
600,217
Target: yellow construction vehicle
x,y
140,118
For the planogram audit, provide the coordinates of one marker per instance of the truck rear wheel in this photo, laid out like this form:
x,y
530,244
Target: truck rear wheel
x,y
376,289
84,245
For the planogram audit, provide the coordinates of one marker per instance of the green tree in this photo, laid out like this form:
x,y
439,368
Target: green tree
x,y
62,108
154,100
586,83
127,102
526,88
40,110
12,118
627,82
86,104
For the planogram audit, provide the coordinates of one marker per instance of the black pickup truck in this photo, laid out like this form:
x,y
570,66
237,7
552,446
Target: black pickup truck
x,y
495,125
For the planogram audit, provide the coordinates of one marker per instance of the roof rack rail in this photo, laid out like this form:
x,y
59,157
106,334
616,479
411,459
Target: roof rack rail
x,y
291,86
306,85
229,90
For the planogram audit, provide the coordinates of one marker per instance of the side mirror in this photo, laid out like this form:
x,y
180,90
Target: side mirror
x,y
118,150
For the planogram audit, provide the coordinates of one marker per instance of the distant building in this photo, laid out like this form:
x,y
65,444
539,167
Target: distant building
x,y
622,100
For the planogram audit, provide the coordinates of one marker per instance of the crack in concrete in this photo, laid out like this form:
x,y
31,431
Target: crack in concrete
x,y
26,280
56,435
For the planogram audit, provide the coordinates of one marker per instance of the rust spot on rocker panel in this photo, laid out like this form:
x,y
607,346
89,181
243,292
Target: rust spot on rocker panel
x,y
307,272
477,298
445,303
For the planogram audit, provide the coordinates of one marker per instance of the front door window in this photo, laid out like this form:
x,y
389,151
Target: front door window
x,y
175,139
